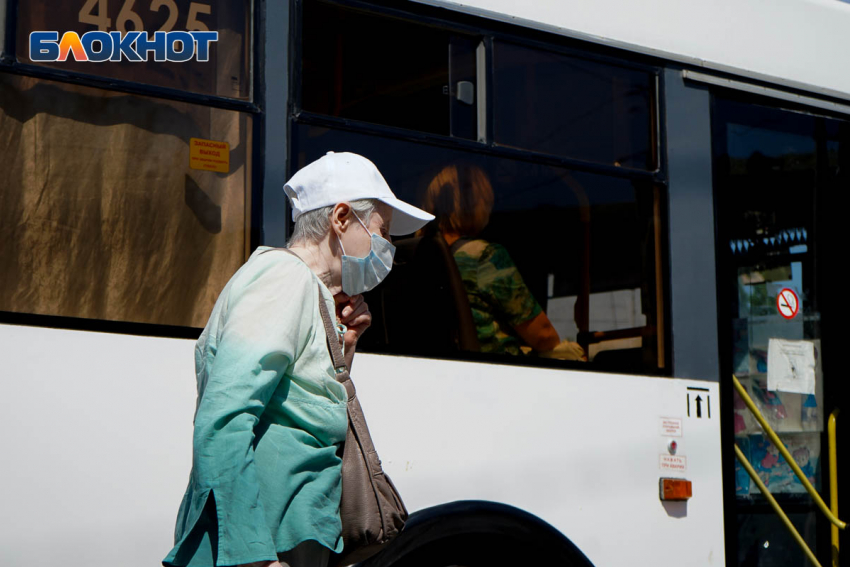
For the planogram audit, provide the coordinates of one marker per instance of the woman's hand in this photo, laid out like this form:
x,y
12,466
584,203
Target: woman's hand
x,y
353,313
566,350
538,333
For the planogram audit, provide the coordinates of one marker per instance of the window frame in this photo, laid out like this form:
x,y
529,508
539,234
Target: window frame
x,y
7,46
254,108
490,32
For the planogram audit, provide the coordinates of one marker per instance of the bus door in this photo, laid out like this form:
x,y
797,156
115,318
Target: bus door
x,y
780,181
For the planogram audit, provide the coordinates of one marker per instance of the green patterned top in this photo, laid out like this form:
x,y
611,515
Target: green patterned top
x,y
498,296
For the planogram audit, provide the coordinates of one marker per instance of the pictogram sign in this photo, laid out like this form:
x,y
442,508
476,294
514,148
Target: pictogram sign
x,y
787,303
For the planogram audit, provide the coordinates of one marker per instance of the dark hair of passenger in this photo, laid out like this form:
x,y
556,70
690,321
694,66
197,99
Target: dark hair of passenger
x,y
461,198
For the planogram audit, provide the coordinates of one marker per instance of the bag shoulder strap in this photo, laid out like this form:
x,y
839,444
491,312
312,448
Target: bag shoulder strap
x,y
333,337
340,367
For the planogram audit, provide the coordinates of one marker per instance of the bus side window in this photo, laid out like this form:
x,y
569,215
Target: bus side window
x,y
545,250
422,307
529,259
107,215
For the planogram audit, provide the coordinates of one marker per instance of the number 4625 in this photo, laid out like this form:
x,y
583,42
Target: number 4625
x,y
126,14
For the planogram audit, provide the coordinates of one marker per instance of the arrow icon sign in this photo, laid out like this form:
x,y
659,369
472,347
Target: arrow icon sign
x,y
698,401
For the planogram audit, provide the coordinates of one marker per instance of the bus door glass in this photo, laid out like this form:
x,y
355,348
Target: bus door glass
x,y
775,174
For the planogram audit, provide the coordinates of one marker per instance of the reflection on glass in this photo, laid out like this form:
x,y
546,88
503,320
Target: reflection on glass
x,y
101,215
764,539
388,71
583,244
507,317
772,169
565,106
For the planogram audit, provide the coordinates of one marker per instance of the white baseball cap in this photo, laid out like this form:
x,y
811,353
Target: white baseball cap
x,y
344,177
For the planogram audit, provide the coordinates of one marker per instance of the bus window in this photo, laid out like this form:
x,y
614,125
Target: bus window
x,y
581,248
102,216
371,68
604,112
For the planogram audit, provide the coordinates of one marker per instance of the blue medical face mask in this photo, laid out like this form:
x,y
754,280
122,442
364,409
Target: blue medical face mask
x,y
363,274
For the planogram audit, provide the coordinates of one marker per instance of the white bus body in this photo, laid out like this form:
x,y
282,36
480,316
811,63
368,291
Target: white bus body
x,y
98,442
796,43
97,427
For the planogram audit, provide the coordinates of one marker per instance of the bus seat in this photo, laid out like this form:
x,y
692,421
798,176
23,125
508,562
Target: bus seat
x,y
422,306
620,360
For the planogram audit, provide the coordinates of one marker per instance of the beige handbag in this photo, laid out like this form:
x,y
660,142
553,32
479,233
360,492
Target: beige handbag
x,y
371,510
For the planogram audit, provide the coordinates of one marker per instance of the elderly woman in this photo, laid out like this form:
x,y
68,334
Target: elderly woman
x,y
265,484
507,318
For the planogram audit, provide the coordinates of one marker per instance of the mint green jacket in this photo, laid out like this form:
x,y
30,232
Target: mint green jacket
x,y
268,421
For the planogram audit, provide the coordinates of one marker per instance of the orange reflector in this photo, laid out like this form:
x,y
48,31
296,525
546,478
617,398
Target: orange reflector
x,y
675,489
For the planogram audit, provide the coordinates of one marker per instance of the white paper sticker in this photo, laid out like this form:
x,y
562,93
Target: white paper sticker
x,y
671,426
791,366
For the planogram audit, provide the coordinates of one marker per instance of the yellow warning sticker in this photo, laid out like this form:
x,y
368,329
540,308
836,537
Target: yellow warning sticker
x,y
209,155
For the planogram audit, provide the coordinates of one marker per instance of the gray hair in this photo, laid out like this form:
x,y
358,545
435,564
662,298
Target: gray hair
x,y
312,226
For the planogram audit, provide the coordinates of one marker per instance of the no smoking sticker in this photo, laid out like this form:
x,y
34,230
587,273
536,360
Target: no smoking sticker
x,y
787,303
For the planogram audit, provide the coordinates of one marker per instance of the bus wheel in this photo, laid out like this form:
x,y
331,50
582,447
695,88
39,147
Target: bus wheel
x,y
478,534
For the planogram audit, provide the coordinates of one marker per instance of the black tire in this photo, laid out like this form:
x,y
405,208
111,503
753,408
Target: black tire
x,y
478,534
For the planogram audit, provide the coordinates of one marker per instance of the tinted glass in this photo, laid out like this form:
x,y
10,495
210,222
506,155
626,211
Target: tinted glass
x,y
584,245
227,73
102,215
367,67
555,104
780,179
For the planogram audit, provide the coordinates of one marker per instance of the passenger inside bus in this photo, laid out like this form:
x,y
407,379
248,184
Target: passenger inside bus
x,y
507,317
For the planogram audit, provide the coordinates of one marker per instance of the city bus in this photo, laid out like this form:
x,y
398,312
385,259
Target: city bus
x,y
670,180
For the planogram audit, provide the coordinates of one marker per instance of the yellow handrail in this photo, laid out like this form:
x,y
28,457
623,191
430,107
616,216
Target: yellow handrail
x,y
776,507
784,451
833,483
